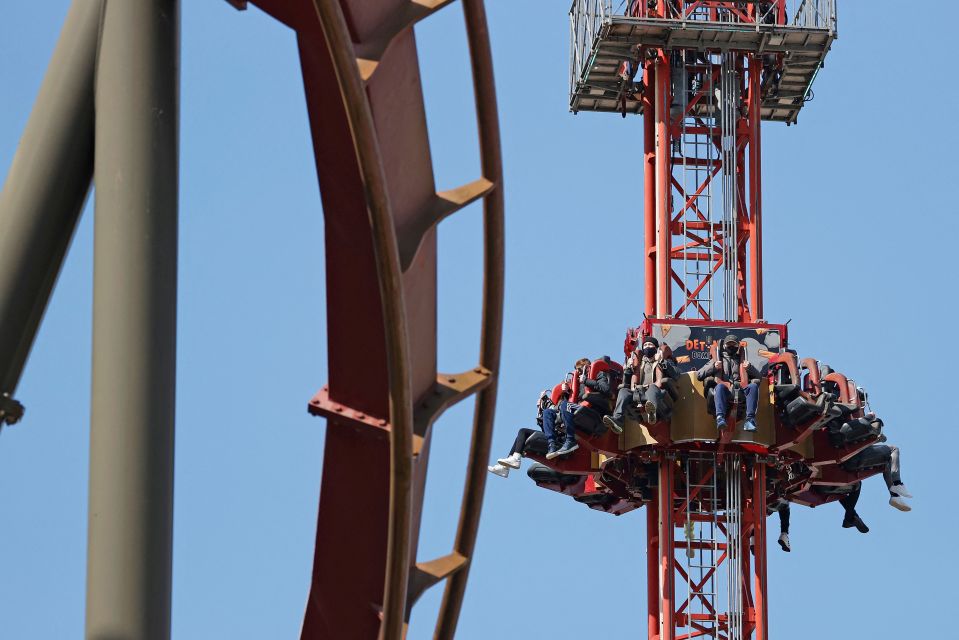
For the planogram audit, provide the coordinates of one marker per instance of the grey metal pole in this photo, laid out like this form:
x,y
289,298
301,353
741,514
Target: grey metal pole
x,y
46,187
134,322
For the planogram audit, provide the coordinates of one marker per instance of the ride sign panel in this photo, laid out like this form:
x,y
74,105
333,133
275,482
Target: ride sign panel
x,y
692,344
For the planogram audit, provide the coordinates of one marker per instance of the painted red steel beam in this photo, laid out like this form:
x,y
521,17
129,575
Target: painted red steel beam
x,y
351,542
667,554
663,211
365,104
758,503
755,193
649,188
652,569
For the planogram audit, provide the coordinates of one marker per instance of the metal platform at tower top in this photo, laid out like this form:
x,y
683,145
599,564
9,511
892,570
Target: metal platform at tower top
x,y
603,38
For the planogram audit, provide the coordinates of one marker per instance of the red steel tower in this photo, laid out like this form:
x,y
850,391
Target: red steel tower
x,y
704,74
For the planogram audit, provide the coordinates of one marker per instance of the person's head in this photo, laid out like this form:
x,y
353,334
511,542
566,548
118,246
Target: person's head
x,y
649,346
731,344
582,363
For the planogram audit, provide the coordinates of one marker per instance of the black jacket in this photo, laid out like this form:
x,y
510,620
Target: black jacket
x,y
600,385
729,371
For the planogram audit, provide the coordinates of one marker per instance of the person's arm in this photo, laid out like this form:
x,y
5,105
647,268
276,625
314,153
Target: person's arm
x,y
631,369
670,369
600,384
752,372
708,369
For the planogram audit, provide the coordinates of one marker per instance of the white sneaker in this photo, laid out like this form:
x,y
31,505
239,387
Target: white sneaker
x,y
899,503
513,461
499,470
784,542
900,490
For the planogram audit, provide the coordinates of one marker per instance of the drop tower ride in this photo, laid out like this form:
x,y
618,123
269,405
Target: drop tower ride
x,y
704,75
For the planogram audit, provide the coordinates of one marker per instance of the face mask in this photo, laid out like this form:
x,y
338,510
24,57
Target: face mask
x,y
649,352
732,350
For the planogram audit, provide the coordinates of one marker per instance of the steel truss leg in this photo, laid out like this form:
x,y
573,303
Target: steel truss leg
x,y
758,503
652,569
667,553
46,187
134,322
671,618
663,190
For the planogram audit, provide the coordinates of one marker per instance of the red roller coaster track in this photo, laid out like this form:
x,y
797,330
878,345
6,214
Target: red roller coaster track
x,y
382,209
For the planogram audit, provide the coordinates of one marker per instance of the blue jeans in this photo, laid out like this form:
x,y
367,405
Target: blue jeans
x,y
724,397
549,424
565,411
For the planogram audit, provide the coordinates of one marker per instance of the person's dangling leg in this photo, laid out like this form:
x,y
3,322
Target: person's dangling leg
x,y
722,398
897,490
653,404
752,403
566,413
783,511
549,428
852,518
616,421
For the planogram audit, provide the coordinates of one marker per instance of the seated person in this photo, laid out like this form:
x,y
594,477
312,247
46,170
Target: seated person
x,y
599,392
888,455
552,431
648,373
733,372
530,439
566,408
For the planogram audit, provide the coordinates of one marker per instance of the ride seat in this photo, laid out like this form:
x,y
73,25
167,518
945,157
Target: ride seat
x,y
589,417
855,430
548,478
600,501
740,401
536,444
802,404
877,455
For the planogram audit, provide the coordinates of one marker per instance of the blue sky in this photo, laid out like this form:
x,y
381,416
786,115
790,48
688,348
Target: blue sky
x,y
859,192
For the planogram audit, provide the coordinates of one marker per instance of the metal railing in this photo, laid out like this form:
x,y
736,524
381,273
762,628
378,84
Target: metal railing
x,y
816,14
586,18
813,14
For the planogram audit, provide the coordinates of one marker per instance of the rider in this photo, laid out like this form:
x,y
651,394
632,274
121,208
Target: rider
x,y
530,439
738,372
645,385
566,408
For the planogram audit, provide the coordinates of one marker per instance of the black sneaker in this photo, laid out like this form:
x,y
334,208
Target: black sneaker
x,y
614,426
568,447
855,521
552,451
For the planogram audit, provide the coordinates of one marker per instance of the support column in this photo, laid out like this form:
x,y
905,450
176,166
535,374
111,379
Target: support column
x,y
652,569
134,322
755,189
46,187
667,554
663,188
743,240
759,551
649,187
